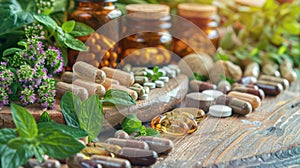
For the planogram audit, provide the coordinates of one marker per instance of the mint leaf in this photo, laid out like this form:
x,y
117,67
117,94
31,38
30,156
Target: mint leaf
x,y
59,145
45,117
81,29
24,121
69,103
68,26
152,132
14,158
72,131
7,134
74,43
118,97
46,21
131,124
200,77
90,116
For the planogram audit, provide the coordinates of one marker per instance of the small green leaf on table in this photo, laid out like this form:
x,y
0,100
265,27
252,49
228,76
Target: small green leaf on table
x,y
131,124
118,97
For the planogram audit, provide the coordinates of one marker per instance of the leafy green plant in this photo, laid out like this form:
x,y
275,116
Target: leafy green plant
x,y
131,124
88,115
200,77
231,81
156,74
28,139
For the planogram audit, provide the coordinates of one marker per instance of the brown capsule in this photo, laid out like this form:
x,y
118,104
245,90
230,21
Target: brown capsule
x,y
270,88
247,86
132,93
131,143
108,162
285,83
224,86
91,87
125,78
247,80
62,88
89,164
51,163
67,77
159,145
108,82
74,160
138,157
260,93
252,99
88,72
238,106
121,134
199,86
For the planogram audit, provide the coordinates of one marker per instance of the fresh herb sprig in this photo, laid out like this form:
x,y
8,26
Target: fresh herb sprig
x,y
156,74
131,124
200,77
30,139
231,81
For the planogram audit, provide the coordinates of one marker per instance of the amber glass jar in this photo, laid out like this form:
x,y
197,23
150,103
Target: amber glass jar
x,y
203,16
148,41
95,13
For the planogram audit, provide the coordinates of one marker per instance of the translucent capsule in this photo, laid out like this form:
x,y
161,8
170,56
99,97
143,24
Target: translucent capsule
x,y
247,80
108,162
128,143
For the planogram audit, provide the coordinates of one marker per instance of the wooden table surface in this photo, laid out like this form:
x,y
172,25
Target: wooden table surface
x,y
268,137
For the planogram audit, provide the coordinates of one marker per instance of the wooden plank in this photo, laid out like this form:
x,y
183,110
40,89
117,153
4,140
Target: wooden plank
x,y
268,137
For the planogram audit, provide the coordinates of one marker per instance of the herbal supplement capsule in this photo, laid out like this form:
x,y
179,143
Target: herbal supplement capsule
x,y
270,88
131,143
175,68
67,77
139,91
125,78
89,151
108,82
164,72
91,87
140,79
136,69
260,93
199,100
171,73
147,89
108,147
213,93
285,83
247,86
140,73
89,164
121,134
159,84
271,69
199,86
108,162
88,72
51,163
62,88
238,106
164,78
220,111
159,145
138,157
144,97
252,99
132,93
224,86
247,80
287,71
151,85
127,68
252,70
137,85
74,160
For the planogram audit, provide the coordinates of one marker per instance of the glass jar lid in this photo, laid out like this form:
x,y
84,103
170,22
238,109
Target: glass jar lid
x,y
196,10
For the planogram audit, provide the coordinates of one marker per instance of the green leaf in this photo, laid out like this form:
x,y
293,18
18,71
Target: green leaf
x,y
72,131
152,132
69,104
59,145
68,26
90,116
223,57
46,21
118,97
131,124
38,153
292,27
24,121
18,143
81,29
74,43
6,135
155,69
10,51
200,77
14,158
226,42
23,43
45,117
143,131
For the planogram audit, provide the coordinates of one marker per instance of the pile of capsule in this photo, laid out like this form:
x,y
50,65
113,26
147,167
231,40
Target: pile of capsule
x,y
242,97
143,83
122,151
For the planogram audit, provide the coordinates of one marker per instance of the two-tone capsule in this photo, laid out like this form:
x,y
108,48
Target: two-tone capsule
x,y
138,157
260,93
131,143
108,162
159,145
238,106
252,99
285,83
270,88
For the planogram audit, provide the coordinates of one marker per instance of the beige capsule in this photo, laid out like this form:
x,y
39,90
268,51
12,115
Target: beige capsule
x,y
133,93
62,88
284,82
125,78
109,162
252,99
67,77
252,70
108,147
91,87
287,71
108,82
93,150
89,72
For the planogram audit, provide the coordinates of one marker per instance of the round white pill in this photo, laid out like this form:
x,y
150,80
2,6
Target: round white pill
x,y
220,111
213,93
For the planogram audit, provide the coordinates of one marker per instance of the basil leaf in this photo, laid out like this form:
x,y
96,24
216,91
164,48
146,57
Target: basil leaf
x,y
90,116
59,145
152,132
69,104
81,29
74,43
10,51
118,97
131,124
68,26
15,158
72,131
7,134
45,117
24,121
46,21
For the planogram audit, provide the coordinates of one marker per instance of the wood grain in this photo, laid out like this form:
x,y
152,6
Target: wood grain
x,y
268,137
